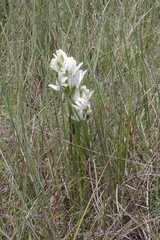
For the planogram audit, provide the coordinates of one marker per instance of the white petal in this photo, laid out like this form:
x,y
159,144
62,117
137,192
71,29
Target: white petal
x,y
62,79
90,94
70,65
74,80
78,67
57,88
76,94
53,64
76,107
82,103
61,55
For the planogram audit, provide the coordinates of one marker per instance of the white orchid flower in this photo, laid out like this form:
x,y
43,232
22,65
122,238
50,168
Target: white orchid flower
x,y
59,60
82,104
70,66
86,93
69,79
75,79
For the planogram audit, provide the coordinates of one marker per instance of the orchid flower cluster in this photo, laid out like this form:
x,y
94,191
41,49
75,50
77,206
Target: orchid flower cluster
x,y
69,80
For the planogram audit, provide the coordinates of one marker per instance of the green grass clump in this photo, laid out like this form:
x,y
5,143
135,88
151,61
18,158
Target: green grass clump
x,y
118,43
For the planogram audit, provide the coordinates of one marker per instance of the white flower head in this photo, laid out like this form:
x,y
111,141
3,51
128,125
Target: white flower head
x,y
82,105
70,66
75,79
58,62
69,79
86,93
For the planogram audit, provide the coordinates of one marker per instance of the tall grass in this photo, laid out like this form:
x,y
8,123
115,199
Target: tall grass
x,y
118,41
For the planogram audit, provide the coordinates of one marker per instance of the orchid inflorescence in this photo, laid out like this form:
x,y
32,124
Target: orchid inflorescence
x,y
69,80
